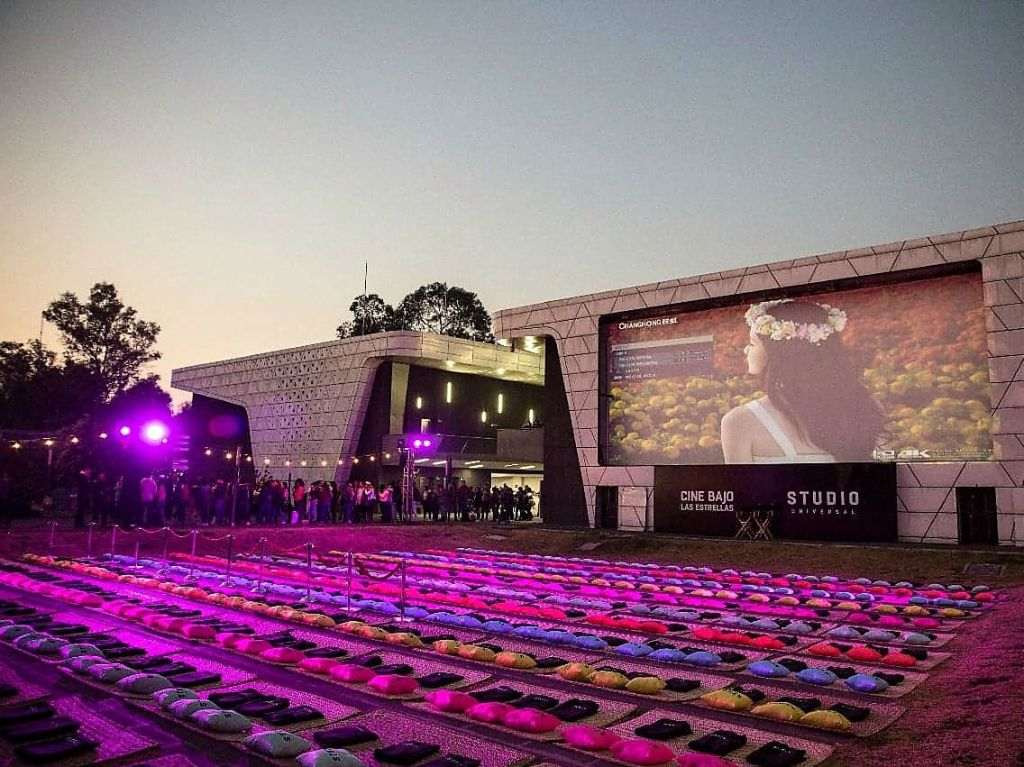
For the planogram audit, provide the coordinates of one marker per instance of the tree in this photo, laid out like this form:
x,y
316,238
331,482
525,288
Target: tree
x,y
370,314
36,393
450,311
104,336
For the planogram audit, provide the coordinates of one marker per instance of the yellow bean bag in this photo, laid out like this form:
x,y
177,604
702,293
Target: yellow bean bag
x,y
475,652
447,646
646,685
351,627
515,660
780,712
405,638
611,679
576,672
826,720
728,700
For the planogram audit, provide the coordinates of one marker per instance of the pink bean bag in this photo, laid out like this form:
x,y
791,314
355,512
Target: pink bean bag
x,y
394,684
198,631
286,655
451,701
644,752
492,713
899,659
252,646
346,672
589,738
318,665
530,720
229,639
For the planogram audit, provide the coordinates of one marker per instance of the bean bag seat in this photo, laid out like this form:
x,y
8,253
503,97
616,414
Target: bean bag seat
x,y
868,683
768,643
351,627
144,684
767,668
198,631
46,645
491,713
817,676
530,720
221,721
864,654
252,646
826,720
76,649
727,700
788,601
516,660
278,744
880,635
706,633
634,649
645,685
704,658
405,638
765,624
497,627
642,752
475,652
611,679
916,638
589,738
229,639
284,655
329,757
393,684
899,659
668,655
447,646
352,674
779,711
590,642
80,664
799,627
12,632
824,650
372,632
109,673
318,665
185,707
884,609
576,672
165,698
844,632
925,623
451,701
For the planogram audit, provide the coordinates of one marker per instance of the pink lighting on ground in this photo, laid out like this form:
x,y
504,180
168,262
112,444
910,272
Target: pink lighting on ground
x,y
153,432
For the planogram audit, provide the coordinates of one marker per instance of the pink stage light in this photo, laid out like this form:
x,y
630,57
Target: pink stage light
x,y
124,431
155,432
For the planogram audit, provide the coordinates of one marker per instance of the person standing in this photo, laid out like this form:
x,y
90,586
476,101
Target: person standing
x,y
147,497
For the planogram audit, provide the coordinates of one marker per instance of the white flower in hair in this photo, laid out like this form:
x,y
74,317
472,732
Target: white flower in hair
x,y
763,323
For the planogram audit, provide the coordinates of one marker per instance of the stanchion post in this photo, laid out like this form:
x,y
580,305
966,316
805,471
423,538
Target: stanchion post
x,y
261,546
309,569
167,537
348,599
231,541
401,599
137,542
53,532
88,540
195,539
192,559
113,539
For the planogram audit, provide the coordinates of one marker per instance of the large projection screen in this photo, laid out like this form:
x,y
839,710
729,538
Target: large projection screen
x,y
915,352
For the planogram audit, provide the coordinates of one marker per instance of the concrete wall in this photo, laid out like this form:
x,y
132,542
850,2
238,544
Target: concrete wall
x,y
927,503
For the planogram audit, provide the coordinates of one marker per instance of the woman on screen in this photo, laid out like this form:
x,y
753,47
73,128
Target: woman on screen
x,y
815,408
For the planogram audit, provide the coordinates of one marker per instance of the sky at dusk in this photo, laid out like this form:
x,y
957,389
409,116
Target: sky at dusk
x,y
230,166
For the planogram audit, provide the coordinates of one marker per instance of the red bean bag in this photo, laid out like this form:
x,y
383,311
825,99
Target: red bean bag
x,y
229,639
347,672
768,643
824,650
733,637
644,752
451,701
589,738
899,659
707,633
530,720
865,654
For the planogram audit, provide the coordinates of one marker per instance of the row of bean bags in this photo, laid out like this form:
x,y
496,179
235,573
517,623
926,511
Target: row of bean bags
x,y
804,711
875,683
866,654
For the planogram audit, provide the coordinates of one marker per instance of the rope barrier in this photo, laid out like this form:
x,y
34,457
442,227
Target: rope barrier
x,y
215,539
361,568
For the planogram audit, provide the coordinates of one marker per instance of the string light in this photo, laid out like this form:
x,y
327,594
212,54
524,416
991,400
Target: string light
x,y
355,460
302,463
228,456
75,440
16,446
48,442
207,452
266,461
323,463
103,435
373,458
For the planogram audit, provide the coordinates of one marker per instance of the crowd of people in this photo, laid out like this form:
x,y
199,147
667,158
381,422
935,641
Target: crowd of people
x,y
175,499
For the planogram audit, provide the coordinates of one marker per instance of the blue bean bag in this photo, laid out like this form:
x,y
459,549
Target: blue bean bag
x,y
634,649
818,676
866,683
799,627
844,632
703,658
668,655
767,668
590,642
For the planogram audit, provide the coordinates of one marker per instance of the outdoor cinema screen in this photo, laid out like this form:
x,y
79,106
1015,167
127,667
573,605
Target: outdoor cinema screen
x,y
894,372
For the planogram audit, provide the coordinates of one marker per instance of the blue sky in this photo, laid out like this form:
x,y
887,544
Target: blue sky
x,y
230,166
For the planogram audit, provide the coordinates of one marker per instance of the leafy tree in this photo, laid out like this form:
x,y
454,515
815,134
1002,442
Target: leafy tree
x,y
36,393
370,314
104,336
450,311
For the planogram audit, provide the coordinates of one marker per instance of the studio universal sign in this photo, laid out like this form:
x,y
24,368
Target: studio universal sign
x,y
828,501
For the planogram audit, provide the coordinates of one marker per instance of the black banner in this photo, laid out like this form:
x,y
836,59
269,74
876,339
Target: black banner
x,y
819,501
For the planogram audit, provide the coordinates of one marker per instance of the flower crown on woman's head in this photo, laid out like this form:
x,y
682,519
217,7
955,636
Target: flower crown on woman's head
x,y
764,324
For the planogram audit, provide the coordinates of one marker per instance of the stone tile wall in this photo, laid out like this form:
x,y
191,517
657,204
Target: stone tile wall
x,y
926,491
